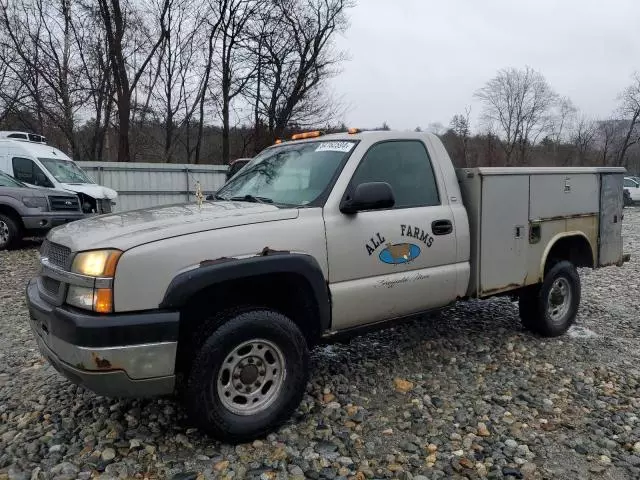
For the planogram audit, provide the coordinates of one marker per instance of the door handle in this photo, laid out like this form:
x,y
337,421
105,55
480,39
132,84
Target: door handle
x,y
442,227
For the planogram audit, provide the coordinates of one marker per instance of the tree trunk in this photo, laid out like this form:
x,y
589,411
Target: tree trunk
x,y
225,127
123,129
203,92
627,143
168,140
200,132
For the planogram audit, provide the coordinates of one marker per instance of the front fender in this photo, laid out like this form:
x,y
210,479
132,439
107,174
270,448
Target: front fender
x,y
211,273
16,204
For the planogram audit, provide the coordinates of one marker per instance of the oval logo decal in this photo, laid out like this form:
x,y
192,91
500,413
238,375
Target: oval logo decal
x,y
399,253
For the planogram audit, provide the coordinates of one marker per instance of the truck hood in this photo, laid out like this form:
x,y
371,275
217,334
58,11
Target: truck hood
x,y
129,229
91,189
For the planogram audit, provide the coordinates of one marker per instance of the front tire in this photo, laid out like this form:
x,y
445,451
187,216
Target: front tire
x,y
10,233
551,308
248,377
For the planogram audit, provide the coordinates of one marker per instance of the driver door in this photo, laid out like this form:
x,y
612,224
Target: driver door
x,y
398,261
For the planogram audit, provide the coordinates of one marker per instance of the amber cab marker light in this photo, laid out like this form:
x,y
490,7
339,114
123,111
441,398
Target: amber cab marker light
x,y
278,141
301,136
353,131
104,300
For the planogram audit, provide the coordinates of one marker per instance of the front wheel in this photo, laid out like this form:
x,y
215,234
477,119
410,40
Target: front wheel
x,y
248,377
9,232
551,308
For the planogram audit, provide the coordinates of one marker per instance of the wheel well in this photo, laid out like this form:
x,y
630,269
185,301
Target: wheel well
x,y
576,249
287,293
10,212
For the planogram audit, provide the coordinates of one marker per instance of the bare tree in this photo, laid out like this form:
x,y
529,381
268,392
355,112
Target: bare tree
x,y
211,24
97,79
437,128
563,119
630,110
10,88
299,56
235,69
461,126
609,137
172,84
41,34
583,139
518,102
119,19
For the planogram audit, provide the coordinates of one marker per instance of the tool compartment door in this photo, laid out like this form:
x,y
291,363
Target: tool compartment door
x,y
504,232
611,204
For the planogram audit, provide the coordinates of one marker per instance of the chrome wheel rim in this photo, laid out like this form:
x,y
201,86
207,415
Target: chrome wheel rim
x,y
559,301
4,232
251,377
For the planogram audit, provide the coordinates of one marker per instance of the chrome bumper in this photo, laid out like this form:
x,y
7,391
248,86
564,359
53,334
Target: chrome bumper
x,y
137,370
113,383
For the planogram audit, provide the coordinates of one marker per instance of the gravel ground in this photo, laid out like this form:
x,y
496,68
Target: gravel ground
x,y
462,394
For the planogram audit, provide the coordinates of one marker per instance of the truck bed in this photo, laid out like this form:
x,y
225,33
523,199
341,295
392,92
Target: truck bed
x,y
517,213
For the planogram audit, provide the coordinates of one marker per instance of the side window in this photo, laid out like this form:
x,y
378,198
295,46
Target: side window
x,y
27,171
405,165
630,183
23,170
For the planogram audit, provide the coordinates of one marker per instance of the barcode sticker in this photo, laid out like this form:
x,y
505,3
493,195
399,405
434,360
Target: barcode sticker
x,y
335,147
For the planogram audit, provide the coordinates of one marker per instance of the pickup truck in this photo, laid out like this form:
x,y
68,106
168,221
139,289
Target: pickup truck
x,y
32,211
319,236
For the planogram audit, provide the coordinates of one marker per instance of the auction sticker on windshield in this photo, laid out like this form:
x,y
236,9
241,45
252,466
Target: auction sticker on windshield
x,y
335,147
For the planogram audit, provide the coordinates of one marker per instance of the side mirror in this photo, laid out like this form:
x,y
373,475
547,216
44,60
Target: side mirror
x,y
369,196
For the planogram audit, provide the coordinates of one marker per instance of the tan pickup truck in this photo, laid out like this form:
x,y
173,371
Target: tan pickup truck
x,y
221,300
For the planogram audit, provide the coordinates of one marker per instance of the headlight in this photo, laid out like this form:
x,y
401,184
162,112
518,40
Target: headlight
x,y
35,202
96,263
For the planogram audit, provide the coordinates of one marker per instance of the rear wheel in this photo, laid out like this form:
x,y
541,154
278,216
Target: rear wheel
x,y
248,377
551,308
9,232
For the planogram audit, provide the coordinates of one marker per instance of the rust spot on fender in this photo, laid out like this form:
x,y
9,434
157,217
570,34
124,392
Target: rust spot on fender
x,y
506,288
101,363
266,251
564,217
217,261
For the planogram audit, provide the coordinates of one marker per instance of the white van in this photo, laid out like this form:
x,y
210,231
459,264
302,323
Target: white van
x,y
28,158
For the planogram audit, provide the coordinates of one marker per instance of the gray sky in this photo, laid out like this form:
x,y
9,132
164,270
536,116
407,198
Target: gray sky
x,y
413,62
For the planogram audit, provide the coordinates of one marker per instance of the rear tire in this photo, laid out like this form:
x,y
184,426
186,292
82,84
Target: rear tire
x,y
248,377
551,308
10,233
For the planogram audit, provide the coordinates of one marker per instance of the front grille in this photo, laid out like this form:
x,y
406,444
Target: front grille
x,y
104,205
59,203
50,285
58,255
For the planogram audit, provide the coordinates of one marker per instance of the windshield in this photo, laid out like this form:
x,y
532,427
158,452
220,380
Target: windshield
x,y
295,174
65,171
7,181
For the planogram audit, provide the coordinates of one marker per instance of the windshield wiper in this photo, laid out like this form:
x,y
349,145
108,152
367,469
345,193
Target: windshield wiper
x,y
251,198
